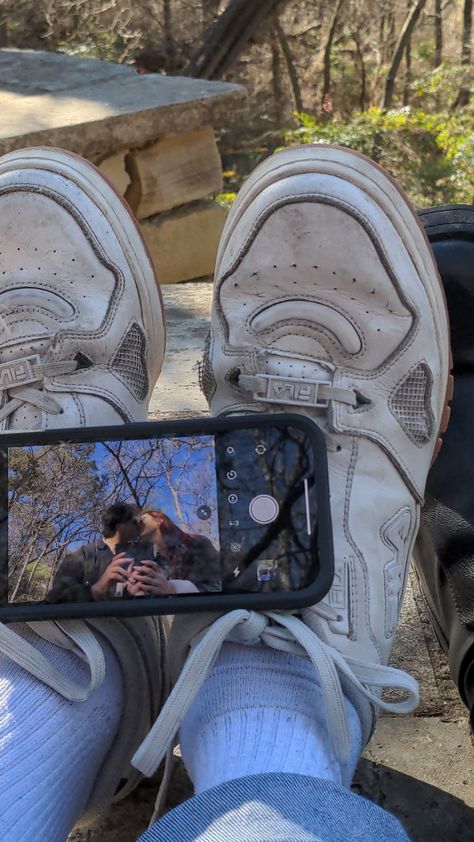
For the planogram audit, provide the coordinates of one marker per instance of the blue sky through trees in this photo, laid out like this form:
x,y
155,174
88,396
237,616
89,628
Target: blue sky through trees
x,y
57,493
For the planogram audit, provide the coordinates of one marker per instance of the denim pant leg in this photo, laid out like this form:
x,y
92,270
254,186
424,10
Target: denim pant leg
x,y
276,808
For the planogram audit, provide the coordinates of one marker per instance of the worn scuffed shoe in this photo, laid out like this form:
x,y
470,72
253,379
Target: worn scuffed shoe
x,y
327,302
444,551
82,339
81,318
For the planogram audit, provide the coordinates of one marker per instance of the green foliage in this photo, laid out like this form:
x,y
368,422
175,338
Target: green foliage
x,y
430,155
226,199
439,87
42,571
99,45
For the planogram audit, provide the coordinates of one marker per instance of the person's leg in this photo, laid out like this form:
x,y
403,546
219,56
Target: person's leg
x,y
444,551
323,277
276,807
51,749
80,302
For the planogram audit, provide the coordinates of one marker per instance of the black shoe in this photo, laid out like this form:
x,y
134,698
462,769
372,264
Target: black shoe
x,y
444,553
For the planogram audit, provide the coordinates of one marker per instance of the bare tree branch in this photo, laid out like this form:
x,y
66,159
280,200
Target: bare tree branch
x,y
407,29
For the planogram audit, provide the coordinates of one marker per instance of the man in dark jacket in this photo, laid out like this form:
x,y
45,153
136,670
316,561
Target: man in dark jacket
x,y
95,571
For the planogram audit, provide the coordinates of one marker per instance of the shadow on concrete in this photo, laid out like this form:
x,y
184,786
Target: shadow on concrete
x,y
425,811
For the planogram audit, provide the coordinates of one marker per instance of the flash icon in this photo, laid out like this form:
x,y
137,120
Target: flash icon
x,y
236,572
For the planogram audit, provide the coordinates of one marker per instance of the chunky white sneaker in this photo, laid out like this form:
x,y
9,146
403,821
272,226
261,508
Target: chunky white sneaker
x,y
82,339
327,301
81,318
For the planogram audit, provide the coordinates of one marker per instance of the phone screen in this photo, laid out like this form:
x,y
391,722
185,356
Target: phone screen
x,y
232,512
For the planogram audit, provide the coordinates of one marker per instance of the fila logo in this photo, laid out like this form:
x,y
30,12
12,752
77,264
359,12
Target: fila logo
x,y
18,372
338,597
294,391
291,391
396,535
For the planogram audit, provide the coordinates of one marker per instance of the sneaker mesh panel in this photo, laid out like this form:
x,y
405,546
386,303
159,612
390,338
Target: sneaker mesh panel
x,y
129,362
207,380
410,403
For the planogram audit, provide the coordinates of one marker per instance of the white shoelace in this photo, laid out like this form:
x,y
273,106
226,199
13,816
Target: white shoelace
x,y
76,636
18,395
289,633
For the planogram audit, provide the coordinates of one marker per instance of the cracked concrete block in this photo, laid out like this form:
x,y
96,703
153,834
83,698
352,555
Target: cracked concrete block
x,y
114,168
183,243
176,170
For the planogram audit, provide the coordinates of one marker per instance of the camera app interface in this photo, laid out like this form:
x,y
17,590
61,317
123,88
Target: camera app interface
x,y
267,510
112,520
158,517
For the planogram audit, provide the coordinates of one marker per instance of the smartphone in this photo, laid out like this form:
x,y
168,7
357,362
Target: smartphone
x,y
138,551
231,512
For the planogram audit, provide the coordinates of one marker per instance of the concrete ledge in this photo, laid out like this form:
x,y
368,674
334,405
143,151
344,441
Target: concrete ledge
x,y
96,108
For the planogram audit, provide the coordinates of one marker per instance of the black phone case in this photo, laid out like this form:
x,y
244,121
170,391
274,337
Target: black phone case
x,y
137,550
191,603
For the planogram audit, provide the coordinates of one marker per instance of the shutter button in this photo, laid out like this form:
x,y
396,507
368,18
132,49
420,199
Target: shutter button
x,y
263,508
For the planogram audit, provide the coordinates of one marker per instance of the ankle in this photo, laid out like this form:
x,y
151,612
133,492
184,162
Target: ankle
x,y
262,710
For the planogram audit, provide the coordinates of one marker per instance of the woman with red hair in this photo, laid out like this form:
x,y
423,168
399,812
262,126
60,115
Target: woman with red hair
x,y
183,563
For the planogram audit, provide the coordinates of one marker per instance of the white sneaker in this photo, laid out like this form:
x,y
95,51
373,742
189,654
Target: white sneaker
x,y
82,339
81,317
327,301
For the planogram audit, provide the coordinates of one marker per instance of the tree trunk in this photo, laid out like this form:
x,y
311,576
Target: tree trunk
x,y
33,571
276,79
363,72
54,569
404,37
210,9
464,94
23,567
292,74
407,81
170,46
327,53
389,42
227,38
438,29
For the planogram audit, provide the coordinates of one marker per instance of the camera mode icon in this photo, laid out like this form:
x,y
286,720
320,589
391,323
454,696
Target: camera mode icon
x,y
203,512
232,498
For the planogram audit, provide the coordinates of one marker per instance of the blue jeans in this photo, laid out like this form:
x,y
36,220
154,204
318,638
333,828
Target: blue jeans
x,y
276,808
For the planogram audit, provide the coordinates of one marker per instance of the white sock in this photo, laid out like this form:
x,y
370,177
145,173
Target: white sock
x,y
261,710
51,749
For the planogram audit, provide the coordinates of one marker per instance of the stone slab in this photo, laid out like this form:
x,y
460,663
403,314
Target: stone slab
x,y
96,108
420,767
183,243
176,170
114,168
187,308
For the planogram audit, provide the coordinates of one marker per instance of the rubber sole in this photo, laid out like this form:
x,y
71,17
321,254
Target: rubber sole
x,y
100,190
448,222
